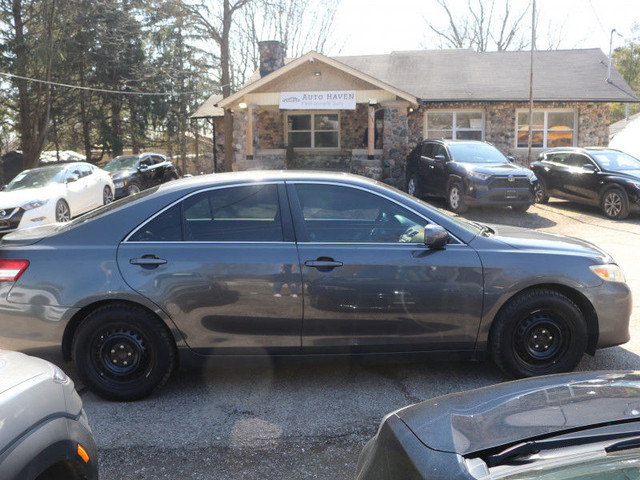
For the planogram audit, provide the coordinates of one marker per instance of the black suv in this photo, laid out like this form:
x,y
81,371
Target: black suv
x,y
133,173
467,173
598,176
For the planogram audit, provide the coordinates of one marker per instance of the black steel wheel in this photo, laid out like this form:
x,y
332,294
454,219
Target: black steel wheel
x,y
539,332
615,204
123,352
63,213
107,195
540,192
455,198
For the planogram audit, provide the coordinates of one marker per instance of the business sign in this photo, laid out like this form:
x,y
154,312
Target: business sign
x,y
338,100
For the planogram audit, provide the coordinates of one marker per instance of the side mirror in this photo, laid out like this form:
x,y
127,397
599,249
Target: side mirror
x,y
590,167
511,158
72,178
143,167
435,237
440,158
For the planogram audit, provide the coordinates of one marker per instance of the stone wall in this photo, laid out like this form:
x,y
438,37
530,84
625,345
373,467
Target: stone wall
x,y
270,129
395,142
353,125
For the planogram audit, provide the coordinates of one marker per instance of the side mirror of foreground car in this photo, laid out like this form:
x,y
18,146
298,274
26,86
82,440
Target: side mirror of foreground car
x,y
511,158
72,178
435,237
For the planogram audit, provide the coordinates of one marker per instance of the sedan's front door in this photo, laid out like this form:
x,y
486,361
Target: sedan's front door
x,y
223,265
371,285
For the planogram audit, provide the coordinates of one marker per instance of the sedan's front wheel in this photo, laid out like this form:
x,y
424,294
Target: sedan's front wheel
x,y
63,214
539,332
107,195
123,352
615,204
455,198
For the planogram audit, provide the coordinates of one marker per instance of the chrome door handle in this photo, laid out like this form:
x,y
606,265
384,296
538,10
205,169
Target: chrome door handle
x,y
322,263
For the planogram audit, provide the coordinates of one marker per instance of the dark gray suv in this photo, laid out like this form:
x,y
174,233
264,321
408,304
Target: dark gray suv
x,y
293,264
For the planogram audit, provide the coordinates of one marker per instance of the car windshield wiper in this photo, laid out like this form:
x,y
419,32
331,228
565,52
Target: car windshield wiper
x,y
526,449
484,230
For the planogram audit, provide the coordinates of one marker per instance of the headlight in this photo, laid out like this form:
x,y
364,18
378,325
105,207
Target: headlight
x,y
478,176
33,204
532,177
609,272
58,375
635,184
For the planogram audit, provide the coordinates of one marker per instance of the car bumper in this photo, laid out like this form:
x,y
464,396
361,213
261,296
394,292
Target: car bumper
x,y
613,304
478,195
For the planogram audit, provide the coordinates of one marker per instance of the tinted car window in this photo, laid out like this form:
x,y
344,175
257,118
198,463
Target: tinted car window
x,y
333,213
577,160
166,227
427,148
476,153
439,150
559,158
612,160
249,214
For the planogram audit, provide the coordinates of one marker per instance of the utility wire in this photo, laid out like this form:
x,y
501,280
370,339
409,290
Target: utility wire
x,y
102,90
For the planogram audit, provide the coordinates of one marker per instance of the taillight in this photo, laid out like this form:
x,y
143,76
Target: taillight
x,y
10,270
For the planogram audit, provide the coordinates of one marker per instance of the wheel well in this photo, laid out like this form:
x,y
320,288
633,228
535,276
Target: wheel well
x,y
582,302
64,470
76,320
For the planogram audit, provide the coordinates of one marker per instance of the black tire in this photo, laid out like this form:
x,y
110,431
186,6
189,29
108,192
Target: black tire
x,y
455,198
539,332
133,188
107,195
63,213
615,204
541,192
520,208
123,352
412,186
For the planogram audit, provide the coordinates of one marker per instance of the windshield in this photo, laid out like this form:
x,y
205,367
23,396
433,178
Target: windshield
x,y
36,178
476,153
612,160
121,163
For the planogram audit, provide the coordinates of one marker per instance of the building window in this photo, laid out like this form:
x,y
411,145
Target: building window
x,y
548,129
455,125
313,130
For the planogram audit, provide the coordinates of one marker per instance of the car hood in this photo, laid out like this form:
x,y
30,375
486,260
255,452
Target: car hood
x,y
535,240
17,368
121,174
18,198
512,412
506,168
630,174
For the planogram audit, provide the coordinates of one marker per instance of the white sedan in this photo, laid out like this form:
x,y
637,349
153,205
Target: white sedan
x,y
53,194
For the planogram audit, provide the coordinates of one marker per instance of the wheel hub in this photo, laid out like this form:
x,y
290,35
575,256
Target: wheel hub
x,y
121,351
541,338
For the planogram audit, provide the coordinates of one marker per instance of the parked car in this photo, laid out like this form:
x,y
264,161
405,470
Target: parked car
x,y
597,176
572,426
44,433
134,173
53,194
369,269
468,173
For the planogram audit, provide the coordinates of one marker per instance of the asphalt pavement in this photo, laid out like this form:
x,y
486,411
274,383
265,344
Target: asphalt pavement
x,y
310,421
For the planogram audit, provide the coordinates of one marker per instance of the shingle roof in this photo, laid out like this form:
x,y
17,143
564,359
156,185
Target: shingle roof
x,y
466,75
208,108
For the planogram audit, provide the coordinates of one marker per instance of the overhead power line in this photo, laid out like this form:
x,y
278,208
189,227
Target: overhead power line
x,y
116,92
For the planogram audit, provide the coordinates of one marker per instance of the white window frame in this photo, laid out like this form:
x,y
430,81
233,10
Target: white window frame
x,y
545,127
313,131
453,129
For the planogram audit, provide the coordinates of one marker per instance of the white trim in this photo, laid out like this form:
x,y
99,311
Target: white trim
x,y
453,128
312,113
545,124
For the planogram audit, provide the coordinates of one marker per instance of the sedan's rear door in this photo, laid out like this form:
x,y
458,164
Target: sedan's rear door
x,y
369,282
223,264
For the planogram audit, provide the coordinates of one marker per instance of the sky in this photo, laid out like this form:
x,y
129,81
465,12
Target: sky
x,y
365,27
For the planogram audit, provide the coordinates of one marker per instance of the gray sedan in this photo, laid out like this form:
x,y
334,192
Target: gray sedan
x,y
297,264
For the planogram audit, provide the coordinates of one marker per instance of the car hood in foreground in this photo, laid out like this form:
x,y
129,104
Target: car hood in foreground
x,y
122,173
506,168
535,240
18,198
17,368
508,413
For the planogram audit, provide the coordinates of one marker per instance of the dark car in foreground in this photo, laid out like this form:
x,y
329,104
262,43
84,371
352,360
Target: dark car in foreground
x,y
570,426
468,173
299,264
134,173
596,176
44,433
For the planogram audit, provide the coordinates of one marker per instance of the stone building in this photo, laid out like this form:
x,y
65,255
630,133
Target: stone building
x,y
363,114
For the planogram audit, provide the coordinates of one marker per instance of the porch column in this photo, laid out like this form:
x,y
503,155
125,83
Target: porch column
x,y
249,135
395,141
371,132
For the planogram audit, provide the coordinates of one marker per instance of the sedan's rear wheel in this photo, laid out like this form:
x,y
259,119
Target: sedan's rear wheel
x,y
133,188
615,204
123,352
107,195
541,192
63,214
539,332
412,186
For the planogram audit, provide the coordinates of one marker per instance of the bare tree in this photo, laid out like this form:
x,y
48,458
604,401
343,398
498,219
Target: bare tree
x,y
487,25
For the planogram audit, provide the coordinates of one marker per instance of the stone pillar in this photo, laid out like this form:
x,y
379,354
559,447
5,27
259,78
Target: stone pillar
x,y
371,131
250,129
239,135
395,142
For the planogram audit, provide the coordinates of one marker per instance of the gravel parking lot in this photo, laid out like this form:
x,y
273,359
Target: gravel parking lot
x,y
310,421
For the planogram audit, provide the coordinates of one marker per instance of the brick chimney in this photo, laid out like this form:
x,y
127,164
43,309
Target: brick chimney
x,y
271,56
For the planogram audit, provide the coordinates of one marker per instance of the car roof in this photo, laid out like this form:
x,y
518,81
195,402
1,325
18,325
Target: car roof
x,y
585,150
449,140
